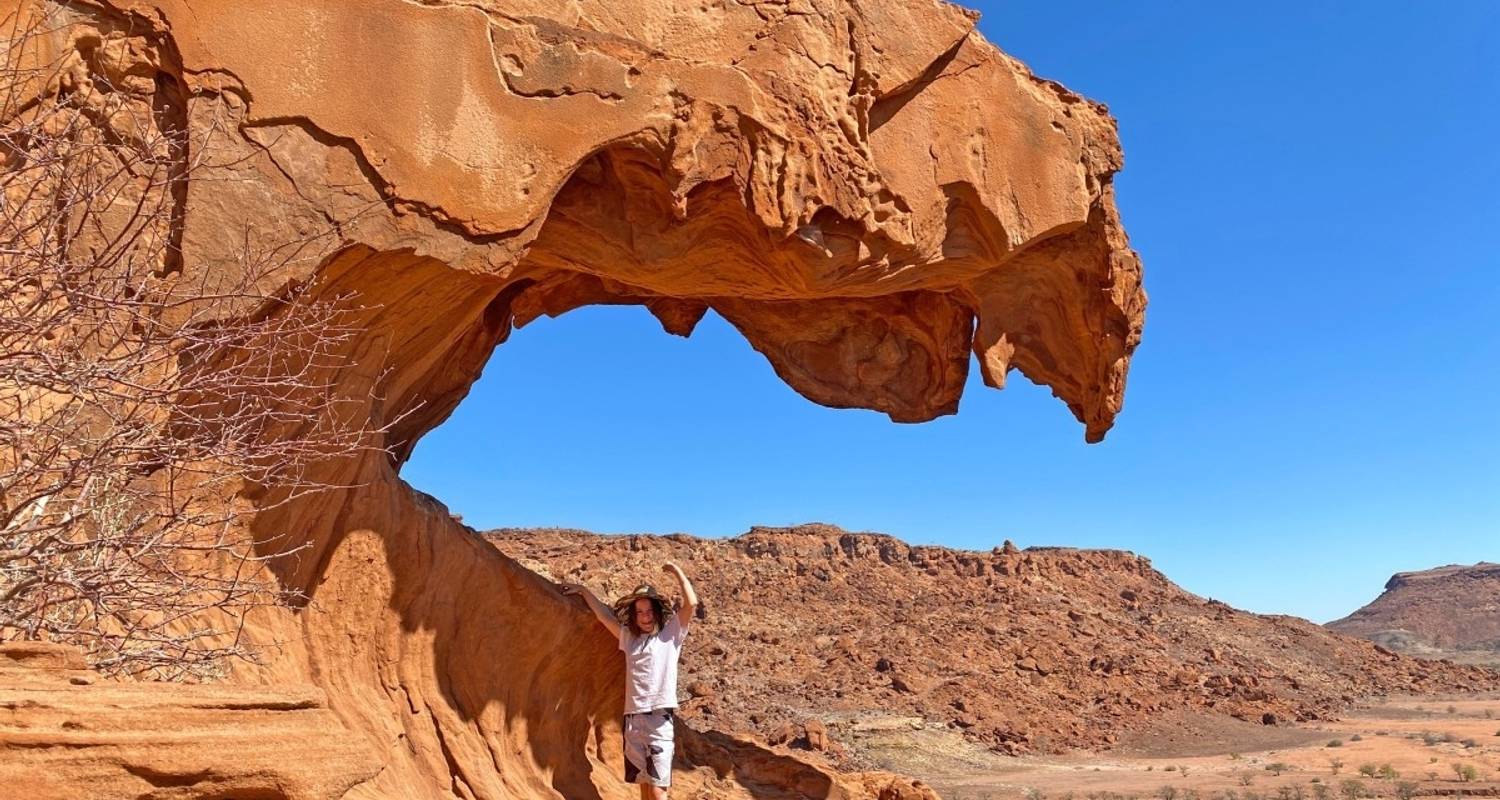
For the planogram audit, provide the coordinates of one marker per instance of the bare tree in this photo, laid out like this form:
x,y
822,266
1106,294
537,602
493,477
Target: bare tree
x,y
145,409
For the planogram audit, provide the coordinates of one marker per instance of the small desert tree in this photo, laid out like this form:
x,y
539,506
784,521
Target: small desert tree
x,y
142,403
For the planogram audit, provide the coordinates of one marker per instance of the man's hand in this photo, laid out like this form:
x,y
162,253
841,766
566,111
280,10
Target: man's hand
x,y
605,616
689,597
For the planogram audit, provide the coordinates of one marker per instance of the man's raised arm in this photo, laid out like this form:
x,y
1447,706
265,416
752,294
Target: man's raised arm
x,y
689,597
601,611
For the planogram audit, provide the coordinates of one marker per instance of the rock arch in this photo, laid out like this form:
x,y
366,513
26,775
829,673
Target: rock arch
x,y
869,192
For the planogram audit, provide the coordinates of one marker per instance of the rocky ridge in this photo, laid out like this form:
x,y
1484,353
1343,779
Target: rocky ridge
x,y
1024,650
1445,610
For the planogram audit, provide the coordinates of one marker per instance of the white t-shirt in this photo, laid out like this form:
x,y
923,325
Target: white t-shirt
x,y
651,666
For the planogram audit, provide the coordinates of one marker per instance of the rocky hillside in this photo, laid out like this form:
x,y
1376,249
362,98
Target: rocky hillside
x,y
1024,650
1452,609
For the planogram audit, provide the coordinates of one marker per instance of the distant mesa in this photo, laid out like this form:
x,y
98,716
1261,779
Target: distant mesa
x,y
1445,612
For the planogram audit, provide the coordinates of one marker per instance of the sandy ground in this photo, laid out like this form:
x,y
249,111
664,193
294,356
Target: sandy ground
x,y
1425,741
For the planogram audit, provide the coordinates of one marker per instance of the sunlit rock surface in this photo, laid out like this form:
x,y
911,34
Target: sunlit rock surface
x,y
868,191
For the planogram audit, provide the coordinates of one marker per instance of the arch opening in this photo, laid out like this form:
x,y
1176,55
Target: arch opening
x,y
469,185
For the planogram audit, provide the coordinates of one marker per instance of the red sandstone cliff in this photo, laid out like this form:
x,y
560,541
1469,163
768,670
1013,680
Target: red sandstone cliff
x,y
869,192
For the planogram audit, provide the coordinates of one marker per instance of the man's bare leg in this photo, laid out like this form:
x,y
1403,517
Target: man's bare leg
x,y
649,792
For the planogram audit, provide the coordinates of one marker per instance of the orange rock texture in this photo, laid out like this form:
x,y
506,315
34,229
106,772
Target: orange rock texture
x,y
66,735
868,191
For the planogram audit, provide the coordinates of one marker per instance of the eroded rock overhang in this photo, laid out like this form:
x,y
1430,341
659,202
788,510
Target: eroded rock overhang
x,y
868,192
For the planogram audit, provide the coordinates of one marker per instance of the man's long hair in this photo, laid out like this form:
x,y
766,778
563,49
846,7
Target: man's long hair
x,y
658,607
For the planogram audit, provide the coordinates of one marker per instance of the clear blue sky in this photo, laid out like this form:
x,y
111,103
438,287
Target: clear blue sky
x,y
1313,189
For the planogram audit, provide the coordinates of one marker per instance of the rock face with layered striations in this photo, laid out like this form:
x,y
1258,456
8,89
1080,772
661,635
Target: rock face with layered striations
x,y
1439,611
868,191
67,734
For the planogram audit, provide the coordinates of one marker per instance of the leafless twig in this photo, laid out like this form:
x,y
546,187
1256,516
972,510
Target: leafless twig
x,y
140,401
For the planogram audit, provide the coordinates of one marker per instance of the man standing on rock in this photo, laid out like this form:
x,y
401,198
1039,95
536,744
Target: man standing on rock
x,y
650,635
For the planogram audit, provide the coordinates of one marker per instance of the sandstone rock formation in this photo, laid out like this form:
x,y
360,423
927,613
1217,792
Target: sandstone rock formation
x,y
868,191
66,735
1023,650
1433,612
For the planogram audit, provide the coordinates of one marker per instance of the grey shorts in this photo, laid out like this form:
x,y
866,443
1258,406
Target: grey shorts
x,y
648,747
